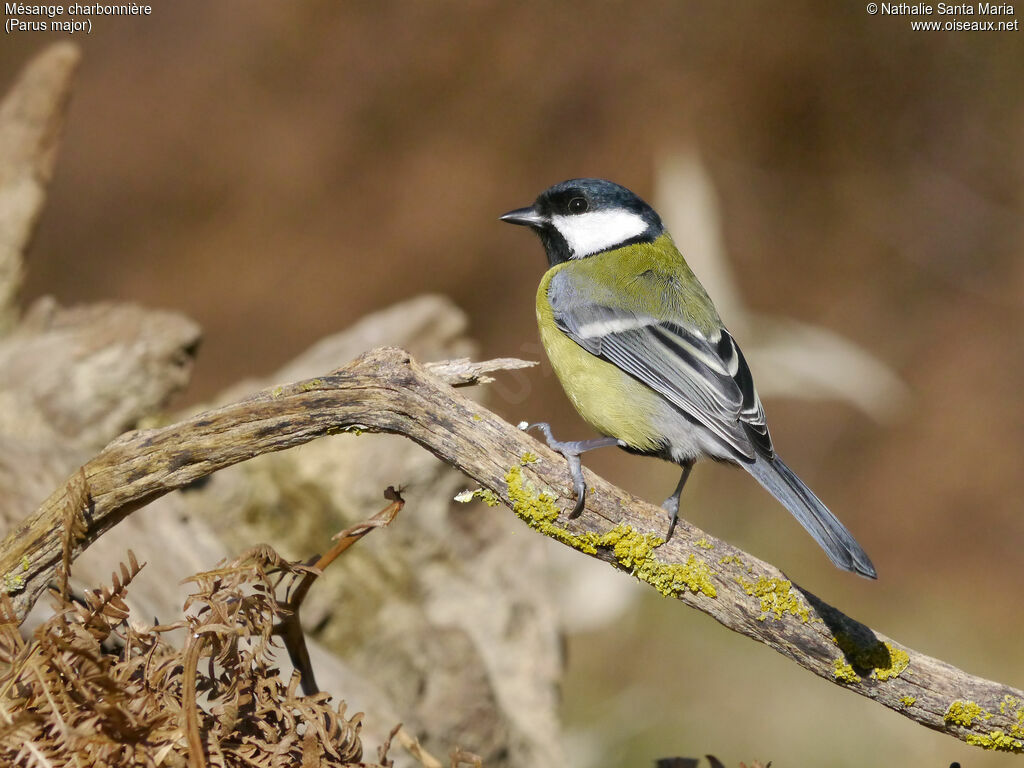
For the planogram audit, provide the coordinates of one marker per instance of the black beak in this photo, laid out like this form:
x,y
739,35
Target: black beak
x,y
526,217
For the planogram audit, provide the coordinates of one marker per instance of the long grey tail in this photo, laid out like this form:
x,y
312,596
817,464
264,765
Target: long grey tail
x,y
838,543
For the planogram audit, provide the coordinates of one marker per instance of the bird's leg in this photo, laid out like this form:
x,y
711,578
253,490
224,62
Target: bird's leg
x,y
571,451
671,504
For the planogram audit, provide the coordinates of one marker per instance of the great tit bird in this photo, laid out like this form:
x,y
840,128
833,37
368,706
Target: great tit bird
x,y
642,353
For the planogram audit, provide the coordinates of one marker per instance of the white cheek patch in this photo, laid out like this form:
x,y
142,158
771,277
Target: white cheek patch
x,y
588,233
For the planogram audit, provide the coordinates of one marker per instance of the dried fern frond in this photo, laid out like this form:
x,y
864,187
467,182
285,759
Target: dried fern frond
x,y
74,525
70,696
65,699
106,608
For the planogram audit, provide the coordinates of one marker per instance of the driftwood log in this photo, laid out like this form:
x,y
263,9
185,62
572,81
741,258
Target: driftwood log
x,y
386,391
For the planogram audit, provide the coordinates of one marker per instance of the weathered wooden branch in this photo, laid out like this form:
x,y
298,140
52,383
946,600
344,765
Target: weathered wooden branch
x,y
386,391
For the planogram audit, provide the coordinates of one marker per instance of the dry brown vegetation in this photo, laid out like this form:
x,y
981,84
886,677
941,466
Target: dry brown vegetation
x,y
93,686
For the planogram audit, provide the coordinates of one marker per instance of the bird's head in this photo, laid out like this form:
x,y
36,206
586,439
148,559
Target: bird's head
x,y
582,217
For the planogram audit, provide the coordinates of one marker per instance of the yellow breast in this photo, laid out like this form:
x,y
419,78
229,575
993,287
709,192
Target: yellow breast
x,y
611,401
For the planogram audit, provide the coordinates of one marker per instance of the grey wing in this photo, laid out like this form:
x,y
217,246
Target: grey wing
x,y
704,377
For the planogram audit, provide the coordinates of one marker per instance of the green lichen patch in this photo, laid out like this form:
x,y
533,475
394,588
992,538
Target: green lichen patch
x,y
995,740
734,560
703,543
14,581
475,417
883,661
843,672
777,598
633,551
309,386
1008,705
1013,707
486,495
908,701
964,713
529,458
539,511
695,576
899,660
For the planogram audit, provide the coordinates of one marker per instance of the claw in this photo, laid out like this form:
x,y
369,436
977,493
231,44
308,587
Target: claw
x,y
671,504
545,428
579,485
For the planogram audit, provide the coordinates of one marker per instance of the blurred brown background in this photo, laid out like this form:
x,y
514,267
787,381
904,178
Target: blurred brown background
x,y
276,170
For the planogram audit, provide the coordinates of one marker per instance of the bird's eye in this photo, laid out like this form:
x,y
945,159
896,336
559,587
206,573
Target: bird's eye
x,y
578,205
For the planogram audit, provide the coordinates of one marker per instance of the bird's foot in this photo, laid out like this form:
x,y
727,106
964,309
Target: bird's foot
x,y
671,505
572,450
